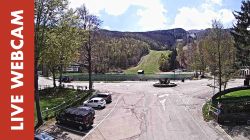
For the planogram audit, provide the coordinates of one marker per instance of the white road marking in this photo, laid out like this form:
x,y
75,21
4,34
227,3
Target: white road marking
x,y
92,130
163,104
164,95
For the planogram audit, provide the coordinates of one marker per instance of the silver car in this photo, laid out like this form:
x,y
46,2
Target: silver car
x,y
96,102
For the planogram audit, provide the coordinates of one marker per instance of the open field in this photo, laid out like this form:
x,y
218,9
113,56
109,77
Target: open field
x,y
148,63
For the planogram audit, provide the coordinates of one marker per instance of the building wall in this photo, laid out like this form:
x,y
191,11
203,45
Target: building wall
x,y
244,72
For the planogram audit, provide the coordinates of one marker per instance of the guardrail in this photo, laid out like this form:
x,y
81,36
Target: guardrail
x,y
213,109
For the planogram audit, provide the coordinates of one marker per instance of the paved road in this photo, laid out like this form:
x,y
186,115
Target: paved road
x,y
141,111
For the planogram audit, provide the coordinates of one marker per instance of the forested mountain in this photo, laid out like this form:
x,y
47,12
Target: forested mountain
x,y
114,50
114,53
157,40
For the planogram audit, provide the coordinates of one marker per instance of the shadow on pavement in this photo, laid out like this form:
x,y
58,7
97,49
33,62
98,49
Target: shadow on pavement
x,y
62,132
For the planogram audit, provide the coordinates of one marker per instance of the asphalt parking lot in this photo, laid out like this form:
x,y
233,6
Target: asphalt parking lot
x,y
65,133
141,111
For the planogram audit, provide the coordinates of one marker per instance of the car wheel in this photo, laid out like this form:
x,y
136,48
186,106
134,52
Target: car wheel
x,y
99,106
80,128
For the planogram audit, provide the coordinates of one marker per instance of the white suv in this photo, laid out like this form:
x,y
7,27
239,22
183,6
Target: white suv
x,y
96,102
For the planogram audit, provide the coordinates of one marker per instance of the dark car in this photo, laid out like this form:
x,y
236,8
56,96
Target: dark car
x,y
106,96
77,117
43,136
66,79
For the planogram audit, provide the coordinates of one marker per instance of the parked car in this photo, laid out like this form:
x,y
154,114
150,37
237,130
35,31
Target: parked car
x,y
106,96
78,117
66,79
95,102
43,136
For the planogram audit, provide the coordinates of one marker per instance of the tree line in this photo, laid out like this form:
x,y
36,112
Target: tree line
x,y
221,52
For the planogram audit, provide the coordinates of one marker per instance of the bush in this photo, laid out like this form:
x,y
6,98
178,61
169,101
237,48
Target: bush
x,y
207,115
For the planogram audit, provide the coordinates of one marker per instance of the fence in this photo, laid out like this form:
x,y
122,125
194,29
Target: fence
x,y
129,77
77,87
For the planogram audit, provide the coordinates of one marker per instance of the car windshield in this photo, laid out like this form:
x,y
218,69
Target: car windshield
x,y
102,95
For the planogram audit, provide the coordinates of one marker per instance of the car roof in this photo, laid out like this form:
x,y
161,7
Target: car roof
x,y
103,93
85,108
97,98
78,111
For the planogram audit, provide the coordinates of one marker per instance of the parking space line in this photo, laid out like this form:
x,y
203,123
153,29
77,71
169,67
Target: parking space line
x,y
84,137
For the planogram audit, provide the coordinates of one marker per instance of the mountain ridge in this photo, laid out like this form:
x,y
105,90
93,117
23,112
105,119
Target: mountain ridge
x,y
157,39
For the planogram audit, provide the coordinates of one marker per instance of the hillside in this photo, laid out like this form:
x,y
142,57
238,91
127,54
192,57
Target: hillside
x,y
158,40
148,63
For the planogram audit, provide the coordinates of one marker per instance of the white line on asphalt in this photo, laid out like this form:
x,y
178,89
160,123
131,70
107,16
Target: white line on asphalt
x,y
164,95
92,130
163,104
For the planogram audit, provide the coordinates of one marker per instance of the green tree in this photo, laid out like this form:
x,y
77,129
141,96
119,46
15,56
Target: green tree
x,y
90,24
46,12
241,33
220,53
181,57
173,63
163,62
62,43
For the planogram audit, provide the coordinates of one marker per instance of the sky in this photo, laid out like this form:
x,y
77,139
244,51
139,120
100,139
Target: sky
x,y
148,15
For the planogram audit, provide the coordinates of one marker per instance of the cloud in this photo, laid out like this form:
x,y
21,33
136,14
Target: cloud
x,y
151,13
200,18
152,16
106,27
218,2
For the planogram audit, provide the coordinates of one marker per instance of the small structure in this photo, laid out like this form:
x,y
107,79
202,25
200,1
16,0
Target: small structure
x,y
164,83
74,67
140,72
244,71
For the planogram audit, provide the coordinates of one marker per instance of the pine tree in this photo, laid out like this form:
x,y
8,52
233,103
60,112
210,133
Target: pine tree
x,y
241,33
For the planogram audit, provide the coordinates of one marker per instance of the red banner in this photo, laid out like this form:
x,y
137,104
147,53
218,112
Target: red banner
x,y
16,69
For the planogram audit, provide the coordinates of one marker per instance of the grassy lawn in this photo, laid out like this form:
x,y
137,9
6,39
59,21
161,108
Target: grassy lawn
x,y
53,97
241,93
148,63
57,99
